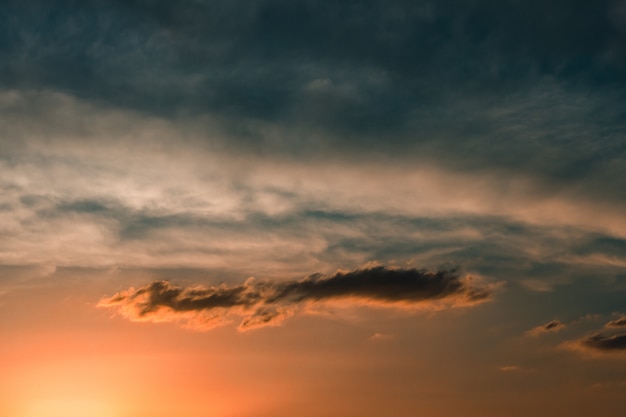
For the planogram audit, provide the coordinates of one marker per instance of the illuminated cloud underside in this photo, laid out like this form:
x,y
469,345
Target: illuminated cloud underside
x,y
619,322
616,342
552,326
269,303
612,345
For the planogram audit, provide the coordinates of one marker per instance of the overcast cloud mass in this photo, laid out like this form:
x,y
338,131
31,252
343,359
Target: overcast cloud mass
x,y
274,138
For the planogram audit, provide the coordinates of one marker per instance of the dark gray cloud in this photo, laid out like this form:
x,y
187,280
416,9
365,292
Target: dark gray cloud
x,y
604,342
264,303
552,325
445,79
411,40
380,285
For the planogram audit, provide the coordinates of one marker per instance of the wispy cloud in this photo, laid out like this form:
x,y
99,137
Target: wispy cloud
x,y
268,303
511,368
617,323
87,185
379,337
552,326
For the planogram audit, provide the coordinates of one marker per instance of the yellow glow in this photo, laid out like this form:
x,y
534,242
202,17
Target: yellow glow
x,y
69,407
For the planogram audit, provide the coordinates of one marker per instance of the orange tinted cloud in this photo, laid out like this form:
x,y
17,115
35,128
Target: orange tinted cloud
x,y
552,326
600,344
269,303
619,322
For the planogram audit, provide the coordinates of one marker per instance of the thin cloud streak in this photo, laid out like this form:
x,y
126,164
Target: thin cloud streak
x,y
617,323
510,368
269,303
552,326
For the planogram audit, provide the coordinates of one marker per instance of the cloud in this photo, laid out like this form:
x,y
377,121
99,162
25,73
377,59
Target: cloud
x,y
379,337
553,326
606,342
248,58
453,76
619,322
600,344
90,186
269,303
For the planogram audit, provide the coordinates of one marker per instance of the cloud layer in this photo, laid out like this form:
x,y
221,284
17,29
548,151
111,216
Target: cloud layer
x,y
268,303
299,135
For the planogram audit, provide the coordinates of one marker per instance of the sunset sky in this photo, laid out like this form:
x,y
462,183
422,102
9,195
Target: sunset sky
x,y
283,208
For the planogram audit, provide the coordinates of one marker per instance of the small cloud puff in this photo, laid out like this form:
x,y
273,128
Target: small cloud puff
x,y
379,337
510,368
552,326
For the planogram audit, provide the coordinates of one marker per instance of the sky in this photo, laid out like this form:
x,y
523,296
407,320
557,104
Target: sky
x,y
313,208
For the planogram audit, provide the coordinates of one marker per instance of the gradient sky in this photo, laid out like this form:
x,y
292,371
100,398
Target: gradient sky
x,y
312,208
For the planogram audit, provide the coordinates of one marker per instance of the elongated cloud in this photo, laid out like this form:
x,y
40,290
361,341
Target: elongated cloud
x,y
602,342
600,345
619,322
269,303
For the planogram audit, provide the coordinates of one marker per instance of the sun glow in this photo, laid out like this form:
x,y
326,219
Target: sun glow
x,y
69,407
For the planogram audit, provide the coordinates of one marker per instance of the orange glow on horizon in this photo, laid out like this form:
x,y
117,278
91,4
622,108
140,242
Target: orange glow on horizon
x,y
68,407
